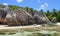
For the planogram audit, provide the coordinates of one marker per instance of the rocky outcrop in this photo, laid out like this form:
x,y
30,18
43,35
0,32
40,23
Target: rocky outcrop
x,y
39,19
20,17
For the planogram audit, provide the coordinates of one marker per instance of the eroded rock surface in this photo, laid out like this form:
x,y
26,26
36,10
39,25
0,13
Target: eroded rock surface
x,y
20,17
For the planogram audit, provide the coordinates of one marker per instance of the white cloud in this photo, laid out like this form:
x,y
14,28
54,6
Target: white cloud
x,y
46,4
43,6
5,3
19,1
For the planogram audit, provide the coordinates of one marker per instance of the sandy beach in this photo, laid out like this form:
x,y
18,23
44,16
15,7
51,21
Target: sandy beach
x,y
30,26
12,27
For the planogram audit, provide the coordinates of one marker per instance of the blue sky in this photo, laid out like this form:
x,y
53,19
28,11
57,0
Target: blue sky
x,y
35,4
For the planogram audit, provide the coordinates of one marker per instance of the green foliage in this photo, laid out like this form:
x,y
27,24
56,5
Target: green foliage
x,y
26,9
14,7
11,33
52,14
58,18
1,5
49,14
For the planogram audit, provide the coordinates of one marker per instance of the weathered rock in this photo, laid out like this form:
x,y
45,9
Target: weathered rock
x,y
24,17
39,19
2,16
20,17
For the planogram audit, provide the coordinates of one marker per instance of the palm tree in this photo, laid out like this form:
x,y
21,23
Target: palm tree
x,y
48,13
41,10
54,13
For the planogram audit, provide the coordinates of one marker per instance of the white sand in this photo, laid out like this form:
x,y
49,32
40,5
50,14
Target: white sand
x,y
6,26
58,23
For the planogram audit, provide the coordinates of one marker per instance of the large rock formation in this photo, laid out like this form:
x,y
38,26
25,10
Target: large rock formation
x,y
40,18
2,15
20,17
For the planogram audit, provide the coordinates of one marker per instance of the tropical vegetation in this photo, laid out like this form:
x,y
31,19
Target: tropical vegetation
x,y
53,15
